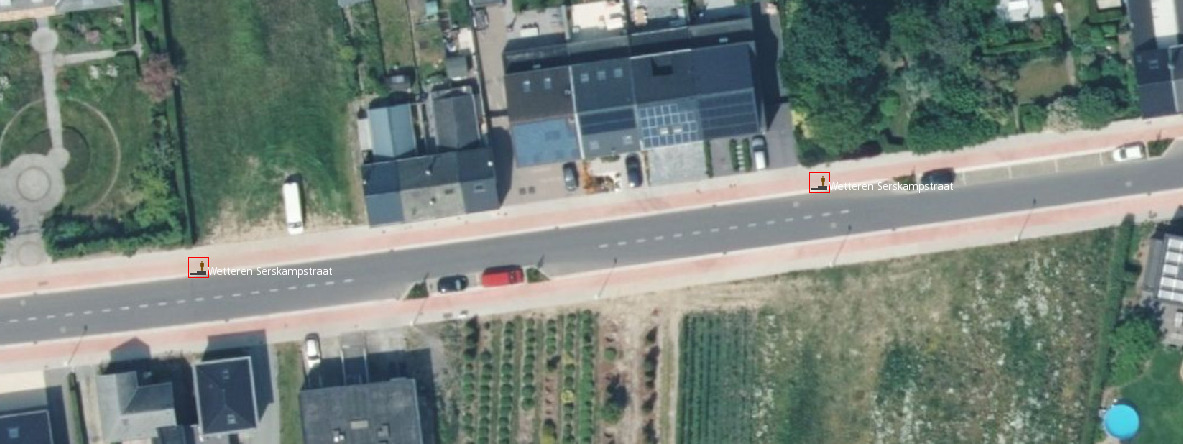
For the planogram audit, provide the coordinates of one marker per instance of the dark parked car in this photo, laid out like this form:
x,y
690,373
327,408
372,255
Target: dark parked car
x,y
450,284
633,164
570,176
942,176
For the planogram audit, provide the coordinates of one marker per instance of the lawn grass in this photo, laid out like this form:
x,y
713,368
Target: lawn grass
x,y
265,96
92,158
19,69
429,45
1041,78
23,130
1158,397
1077,11
368,43
394,24
289,381
130,113
953,347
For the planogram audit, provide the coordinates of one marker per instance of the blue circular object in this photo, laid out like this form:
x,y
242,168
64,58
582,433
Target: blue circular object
x,y
1121,422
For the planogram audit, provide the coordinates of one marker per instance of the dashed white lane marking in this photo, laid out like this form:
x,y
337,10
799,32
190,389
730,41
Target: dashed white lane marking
x,y
51,316
124,308
106,310
161,303
218,297
733,227
601,246
844,211
621,243
833,225
714,230
640,241
807,217
70,314
677,235
788,219
696,232
347,280
87,313
659,238
255,292
31,318
180,301
826,214
143,305
292,288
770,222
310,286
273,290
13,321
199,299
752,225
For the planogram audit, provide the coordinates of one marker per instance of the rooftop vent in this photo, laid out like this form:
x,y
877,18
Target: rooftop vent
x,y
359,424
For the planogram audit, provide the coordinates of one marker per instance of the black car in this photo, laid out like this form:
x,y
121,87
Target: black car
x,y
942,176
570,176
450,284
633,164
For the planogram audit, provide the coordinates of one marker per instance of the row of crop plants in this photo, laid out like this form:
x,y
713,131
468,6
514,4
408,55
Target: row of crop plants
x,y
715,383
500,379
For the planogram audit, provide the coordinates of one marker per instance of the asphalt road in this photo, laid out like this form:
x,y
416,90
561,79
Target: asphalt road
x,y
568,250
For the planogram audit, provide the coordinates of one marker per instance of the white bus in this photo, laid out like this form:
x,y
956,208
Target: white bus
x,y
293,208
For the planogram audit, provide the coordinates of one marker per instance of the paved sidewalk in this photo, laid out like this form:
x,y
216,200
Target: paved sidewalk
x,y
115,270
586,287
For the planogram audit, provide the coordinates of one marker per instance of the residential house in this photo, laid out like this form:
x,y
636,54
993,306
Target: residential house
x,y
1163,283
450,183
1157,59
376,413
226,397
1015,11
130,411
585,99
27,427
13,10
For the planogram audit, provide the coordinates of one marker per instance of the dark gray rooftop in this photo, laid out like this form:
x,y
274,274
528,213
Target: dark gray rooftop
x,y
383,412
1155,87
540,94
225,392
456,123
545,141
28,427
457,66
603,85
450,183
1141,14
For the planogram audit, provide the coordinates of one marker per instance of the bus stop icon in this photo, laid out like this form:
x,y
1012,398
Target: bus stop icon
x,y
819,182
198,267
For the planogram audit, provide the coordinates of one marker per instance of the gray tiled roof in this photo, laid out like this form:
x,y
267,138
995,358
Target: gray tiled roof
x,y
431,186
225,392
456,123
130,411
384,412
27,427
392,132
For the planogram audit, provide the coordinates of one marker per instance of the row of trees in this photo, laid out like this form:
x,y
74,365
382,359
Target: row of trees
x,y
927,75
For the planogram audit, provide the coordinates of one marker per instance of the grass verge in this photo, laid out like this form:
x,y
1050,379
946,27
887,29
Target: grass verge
x,y
281,110
394,24
290,379
1158,396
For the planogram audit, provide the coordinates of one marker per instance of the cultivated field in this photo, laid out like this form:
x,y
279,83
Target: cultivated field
x,y
558,378
986,345
264,96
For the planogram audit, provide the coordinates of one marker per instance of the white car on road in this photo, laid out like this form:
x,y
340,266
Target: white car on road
x,y
1129,151
311,352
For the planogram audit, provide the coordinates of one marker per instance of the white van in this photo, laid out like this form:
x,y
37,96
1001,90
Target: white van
x,y
293,208
759,153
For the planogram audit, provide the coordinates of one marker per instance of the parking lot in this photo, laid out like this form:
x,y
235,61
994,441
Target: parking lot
x,y
1075,163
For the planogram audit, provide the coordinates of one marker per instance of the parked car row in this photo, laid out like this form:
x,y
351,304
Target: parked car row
x,y
491,277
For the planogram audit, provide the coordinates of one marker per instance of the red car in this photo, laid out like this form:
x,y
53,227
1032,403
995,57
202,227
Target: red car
x,y
505,275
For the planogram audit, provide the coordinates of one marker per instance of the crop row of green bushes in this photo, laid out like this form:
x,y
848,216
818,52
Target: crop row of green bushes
x,y
714,377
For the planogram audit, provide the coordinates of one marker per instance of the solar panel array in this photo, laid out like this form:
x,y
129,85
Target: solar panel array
x,y
668,124
728,115
603,122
